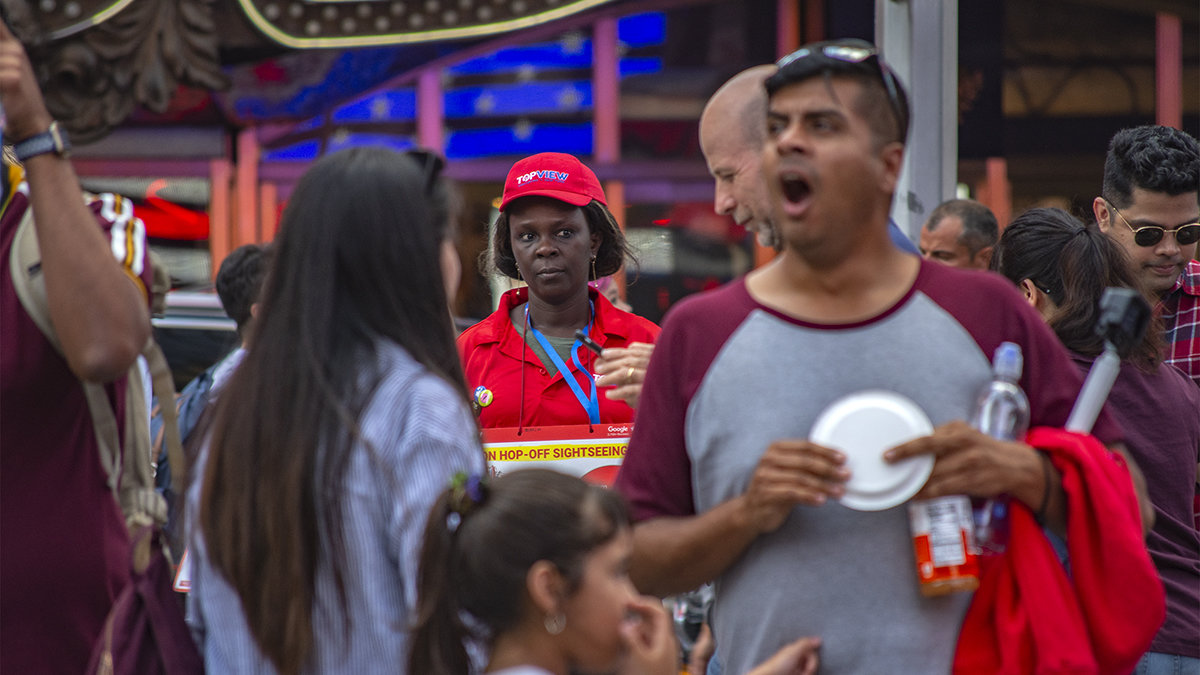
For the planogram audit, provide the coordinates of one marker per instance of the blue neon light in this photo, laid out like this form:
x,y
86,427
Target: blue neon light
x,y
369,140
388,106
476,143
639,65
642,30
519,99
543,55
304,151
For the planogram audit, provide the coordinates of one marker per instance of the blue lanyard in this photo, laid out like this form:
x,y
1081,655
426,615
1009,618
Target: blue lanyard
x,y
591,404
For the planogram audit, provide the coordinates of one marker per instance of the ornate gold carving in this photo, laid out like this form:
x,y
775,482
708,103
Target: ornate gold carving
x,y
139,55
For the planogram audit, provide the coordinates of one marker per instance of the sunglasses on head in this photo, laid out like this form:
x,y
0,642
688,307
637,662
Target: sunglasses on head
x,y
1150,235
855,51
431,164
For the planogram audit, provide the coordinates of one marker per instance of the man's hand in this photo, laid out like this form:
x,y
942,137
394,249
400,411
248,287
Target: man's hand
x,y
19,92
624,369
98,311
792,472
676,554
969,462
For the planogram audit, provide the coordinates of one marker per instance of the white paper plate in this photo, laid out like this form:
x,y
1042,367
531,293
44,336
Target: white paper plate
x,y
863,426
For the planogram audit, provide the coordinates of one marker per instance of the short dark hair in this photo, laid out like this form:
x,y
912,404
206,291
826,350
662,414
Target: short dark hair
x,y
1150,157
980,228
614,248
1072,263
874,104
240,280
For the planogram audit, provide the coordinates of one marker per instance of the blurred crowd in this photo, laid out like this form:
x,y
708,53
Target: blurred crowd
x,y
335,500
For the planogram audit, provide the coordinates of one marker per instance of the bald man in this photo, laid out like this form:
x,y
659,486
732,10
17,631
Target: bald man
x,y
733,130
960,233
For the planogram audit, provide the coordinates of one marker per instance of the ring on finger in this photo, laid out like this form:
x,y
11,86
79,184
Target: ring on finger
x,y
629,374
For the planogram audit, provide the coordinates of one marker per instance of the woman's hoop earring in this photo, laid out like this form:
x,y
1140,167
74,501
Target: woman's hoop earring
x,y
556,623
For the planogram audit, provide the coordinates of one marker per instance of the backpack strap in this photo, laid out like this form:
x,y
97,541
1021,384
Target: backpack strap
x,y
25,265
130,473
164,389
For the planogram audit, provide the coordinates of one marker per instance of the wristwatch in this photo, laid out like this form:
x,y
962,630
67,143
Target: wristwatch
x,y
53,140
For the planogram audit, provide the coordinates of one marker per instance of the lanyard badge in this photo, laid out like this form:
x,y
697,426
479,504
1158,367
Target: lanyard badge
x,y
590,403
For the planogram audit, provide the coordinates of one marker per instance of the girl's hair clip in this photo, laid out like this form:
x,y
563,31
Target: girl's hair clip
x,y
467,492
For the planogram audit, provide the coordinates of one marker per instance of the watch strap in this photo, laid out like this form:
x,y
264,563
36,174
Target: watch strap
x,y
53,140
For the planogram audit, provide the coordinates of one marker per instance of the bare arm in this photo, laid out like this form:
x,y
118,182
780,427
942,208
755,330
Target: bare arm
x,y
676,554
98,311
972,463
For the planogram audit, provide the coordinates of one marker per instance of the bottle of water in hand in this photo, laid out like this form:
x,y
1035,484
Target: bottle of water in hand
x,y
1002,412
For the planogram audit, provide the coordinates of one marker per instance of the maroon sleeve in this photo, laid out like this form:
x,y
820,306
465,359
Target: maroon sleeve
x,y
993,311
655,476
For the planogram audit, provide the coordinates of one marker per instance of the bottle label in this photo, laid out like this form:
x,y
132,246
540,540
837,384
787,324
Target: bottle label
x,y
943,539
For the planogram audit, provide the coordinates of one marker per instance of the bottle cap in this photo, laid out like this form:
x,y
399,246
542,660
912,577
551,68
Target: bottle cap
x,y
1008,362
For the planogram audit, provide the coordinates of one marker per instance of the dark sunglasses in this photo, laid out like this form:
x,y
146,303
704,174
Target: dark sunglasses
x,y
856,51
1150,235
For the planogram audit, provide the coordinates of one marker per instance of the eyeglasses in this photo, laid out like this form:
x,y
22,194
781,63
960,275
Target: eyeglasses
x,y
856,51
1152,234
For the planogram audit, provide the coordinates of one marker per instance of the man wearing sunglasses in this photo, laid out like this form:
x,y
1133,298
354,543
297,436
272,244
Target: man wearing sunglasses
x,y
721,477
1151,206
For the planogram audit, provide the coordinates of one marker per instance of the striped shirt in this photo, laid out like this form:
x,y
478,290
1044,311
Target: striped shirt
x,y
422,433
1180,311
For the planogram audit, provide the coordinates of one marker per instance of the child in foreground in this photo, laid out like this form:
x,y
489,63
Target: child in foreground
x,y
533,565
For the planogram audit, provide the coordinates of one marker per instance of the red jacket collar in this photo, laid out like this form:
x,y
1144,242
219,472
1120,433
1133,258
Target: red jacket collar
x,y
496,325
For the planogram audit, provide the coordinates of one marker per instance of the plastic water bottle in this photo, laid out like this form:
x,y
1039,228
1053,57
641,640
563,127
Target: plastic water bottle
x,y
1002,412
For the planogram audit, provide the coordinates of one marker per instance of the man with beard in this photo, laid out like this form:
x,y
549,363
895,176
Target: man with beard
x,y
1151,206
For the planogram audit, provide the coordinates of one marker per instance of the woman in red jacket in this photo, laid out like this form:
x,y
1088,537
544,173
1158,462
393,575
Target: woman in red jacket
x,y
524,364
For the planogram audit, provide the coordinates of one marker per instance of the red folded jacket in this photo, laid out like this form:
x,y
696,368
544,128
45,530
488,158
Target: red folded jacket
x,y
1030,615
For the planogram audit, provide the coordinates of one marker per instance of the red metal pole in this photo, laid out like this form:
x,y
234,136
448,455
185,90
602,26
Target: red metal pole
x,y
1169,70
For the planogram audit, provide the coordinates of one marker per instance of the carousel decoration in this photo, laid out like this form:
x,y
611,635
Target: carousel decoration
x,y
98,59
363,23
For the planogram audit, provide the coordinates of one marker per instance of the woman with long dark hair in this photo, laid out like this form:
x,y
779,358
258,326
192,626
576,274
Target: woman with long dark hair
x,y
344,421
524,364
1063,267
533,567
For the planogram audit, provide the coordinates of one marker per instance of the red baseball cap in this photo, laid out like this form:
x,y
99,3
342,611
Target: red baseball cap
x,y
552,174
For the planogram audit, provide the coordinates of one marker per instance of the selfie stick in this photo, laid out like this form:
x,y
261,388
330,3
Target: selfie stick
x,y
1124,314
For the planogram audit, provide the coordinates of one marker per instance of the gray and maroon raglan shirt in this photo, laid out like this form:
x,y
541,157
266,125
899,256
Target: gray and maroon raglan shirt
x,y
729,376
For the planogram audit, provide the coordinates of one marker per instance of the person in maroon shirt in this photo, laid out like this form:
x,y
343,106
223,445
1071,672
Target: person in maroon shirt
x,y
1063,267
65,550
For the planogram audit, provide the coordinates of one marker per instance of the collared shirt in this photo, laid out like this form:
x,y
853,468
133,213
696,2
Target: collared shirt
x,y
503,371
413,435
1180,312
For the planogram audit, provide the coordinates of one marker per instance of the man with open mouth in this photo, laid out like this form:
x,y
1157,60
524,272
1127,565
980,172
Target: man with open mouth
x,y
723,482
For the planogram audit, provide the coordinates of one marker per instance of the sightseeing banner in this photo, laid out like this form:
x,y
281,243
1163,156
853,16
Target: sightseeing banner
x,y
591,451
